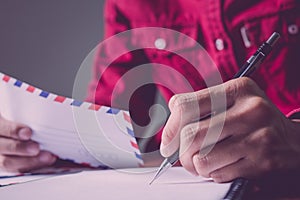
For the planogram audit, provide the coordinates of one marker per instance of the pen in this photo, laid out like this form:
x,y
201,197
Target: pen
x,y
250,66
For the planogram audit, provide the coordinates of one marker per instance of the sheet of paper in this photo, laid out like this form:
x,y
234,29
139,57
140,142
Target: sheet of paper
x,y
73,130
176,183
4,182
9,178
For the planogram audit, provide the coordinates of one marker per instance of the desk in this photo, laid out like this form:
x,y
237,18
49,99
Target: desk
x,y
176,183
275,187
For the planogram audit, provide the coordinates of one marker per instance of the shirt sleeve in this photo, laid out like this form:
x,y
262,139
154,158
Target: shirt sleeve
x,y
295,114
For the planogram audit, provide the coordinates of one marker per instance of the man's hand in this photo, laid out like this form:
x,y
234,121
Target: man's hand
x,y
17,152
255,140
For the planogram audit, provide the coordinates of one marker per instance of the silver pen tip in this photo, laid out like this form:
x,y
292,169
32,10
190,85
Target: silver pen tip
x,y
156,174
163,167
153,179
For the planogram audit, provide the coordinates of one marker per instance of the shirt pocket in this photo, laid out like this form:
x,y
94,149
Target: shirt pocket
x,y
282,66
279,74
159,40
177,47
285,19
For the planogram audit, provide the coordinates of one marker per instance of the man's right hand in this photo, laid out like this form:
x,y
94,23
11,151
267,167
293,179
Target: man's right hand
x,y
18,153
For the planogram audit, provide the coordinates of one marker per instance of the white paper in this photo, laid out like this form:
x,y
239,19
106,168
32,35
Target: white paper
x,y
128,184
4,182
75,132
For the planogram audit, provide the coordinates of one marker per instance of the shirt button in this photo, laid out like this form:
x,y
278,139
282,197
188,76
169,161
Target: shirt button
x,y
160,43
219,44
293,29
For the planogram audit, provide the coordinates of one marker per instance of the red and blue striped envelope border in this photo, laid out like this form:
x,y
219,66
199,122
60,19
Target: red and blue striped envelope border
x,y
73,102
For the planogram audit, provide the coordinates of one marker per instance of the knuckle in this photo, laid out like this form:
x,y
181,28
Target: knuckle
x,y
202,166
219,177
264,142
258,109
188,132
175,101
203,163
186,162
202,173
267,165
231,90
260,105
178,103
262,109
246,83
246,86
188,141
13,128
9,129
241,86
266,139
11,146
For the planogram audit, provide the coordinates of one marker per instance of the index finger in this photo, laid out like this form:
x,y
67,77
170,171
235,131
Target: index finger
x,y
191,107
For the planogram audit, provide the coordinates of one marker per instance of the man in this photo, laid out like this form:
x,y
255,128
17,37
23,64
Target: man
x,y
257,137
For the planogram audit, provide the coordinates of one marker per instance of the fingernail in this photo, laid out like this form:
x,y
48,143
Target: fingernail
x,y
163,141
46,157
163,150
214,177
24,134
33,149
162,146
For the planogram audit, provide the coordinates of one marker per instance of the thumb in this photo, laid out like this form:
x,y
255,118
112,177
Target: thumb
x,y
169,146
170,135
14,130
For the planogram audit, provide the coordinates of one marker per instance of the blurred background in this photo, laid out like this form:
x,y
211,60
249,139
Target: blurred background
x,y
43,42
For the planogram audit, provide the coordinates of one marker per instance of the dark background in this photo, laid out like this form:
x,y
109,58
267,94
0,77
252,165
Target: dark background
x,y
43,42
